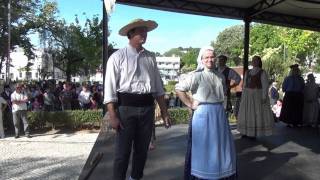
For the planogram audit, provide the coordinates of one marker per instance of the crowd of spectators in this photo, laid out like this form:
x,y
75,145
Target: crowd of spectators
x,y
52,96
49,95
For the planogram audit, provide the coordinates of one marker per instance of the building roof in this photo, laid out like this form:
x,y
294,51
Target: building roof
x,y
303,14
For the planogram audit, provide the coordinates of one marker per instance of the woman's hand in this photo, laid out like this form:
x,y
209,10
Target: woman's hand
x,y
194,104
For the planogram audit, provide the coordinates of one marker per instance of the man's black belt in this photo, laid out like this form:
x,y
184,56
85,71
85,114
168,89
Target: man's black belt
x,y
136,100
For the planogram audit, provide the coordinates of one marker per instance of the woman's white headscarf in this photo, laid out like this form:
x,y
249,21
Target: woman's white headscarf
x,y
199,59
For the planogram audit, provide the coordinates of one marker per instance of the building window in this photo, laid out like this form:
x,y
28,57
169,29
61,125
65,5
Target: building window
x,y
20,74
37,75
28,75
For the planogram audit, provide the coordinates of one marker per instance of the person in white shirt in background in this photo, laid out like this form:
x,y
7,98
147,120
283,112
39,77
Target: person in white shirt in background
x,y
19,110
84,97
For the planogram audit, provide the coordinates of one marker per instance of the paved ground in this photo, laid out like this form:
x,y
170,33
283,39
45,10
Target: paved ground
x,y
45,156
289,154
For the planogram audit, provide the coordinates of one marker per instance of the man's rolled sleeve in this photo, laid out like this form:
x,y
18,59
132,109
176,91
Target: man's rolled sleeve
x,y
111,79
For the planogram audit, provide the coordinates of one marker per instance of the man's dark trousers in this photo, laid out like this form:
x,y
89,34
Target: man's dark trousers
x,y
137,125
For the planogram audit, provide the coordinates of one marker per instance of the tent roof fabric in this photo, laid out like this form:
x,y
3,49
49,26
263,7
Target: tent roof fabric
x,y
303,14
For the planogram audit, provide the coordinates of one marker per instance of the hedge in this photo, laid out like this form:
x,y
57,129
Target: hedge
x,y
71,119
179,115
78,118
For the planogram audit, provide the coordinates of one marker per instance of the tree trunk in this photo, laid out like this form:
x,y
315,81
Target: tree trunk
x,y
2,60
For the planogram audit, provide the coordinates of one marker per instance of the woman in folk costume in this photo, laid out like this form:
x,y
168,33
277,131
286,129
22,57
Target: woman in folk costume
x,y
213,154
255,117
311,105
292,108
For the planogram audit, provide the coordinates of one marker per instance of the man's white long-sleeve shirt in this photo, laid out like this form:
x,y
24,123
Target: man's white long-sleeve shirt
x,y
129,71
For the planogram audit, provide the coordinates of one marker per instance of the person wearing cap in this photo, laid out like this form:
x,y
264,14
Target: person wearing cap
x,y
132,83
210,151
255,117
292,107
19,110
232,79
311,105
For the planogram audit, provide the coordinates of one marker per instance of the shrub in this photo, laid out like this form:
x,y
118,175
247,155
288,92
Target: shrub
x,y
78,118
72,119
179,115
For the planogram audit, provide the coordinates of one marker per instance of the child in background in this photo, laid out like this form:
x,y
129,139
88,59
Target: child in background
x,y
276,109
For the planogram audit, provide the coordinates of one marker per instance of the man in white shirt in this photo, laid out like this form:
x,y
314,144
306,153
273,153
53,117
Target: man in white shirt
x,y
131,85
19,110
232,79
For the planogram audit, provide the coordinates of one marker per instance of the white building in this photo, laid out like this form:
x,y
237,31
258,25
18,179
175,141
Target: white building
x,y
169,68
19,62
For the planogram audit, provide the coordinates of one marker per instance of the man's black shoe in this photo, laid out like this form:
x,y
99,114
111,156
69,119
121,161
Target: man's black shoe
x,y
28,136
16,137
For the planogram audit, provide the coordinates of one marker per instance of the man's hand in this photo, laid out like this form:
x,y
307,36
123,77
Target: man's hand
x,y
113,117
115,123
167,121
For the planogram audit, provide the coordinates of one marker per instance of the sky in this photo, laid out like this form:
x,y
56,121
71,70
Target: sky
x,y
174,29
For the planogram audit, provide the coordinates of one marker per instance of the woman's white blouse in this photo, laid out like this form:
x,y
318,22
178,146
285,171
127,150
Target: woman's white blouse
x,y
206,86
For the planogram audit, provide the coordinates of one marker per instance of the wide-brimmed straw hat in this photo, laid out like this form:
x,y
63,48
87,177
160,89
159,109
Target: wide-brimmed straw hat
x,y
150,25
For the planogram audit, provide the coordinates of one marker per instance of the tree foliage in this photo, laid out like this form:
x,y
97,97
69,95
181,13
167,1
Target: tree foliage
x,y
230,43
23,17
278,46
188,57
264,36
75,48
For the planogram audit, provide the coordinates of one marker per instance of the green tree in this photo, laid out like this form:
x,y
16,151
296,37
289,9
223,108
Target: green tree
x,y
189,59
23,16
301,45
175,52
230,43
77,49
264,36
